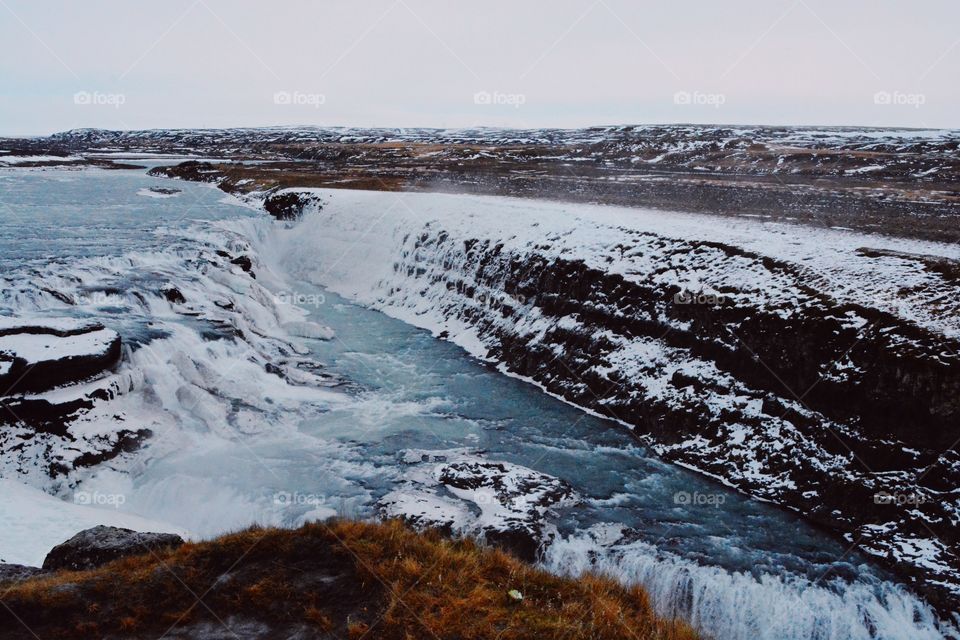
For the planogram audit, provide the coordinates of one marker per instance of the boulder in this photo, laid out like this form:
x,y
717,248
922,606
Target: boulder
x,y
98,546
172,294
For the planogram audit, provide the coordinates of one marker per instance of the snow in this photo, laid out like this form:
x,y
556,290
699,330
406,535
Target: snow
x,y
35,522
868,169
39,347
363,232
9,323
12,160
472,495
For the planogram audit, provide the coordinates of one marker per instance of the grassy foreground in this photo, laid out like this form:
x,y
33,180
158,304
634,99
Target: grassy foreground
x,y
342,579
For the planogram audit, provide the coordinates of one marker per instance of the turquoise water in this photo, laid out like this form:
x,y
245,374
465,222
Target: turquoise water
x,y
740,568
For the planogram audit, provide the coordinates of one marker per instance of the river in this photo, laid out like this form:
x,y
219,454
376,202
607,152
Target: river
x,y
232,441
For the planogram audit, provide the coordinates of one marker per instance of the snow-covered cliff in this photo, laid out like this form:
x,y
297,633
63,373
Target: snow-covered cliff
x,y
816,368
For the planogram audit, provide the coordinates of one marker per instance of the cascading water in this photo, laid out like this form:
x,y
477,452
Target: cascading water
x,y
330,426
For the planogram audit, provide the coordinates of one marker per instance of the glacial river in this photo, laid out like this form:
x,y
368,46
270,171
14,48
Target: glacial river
x,y
230,444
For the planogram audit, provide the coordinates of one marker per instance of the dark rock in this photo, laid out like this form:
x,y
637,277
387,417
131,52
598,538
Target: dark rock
x,y
244,263
98,546
43,416
126,442
40,355
18,572
173,295
289,205
190,170
522,542
164,191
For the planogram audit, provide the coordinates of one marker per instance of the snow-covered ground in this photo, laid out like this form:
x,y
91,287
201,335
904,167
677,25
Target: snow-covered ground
x,y
13,160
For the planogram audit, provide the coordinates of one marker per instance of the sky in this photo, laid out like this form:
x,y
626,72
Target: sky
x,y
122,64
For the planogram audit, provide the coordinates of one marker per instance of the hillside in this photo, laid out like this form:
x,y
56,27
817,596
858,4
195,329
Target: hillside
x,y
342,579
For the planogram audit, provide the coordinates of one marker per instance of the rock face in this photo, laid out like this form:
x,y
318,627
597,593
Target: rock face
x,y
289,204
502,503
823,406
18,572
190,170
52,370
816,369
43,354
97,546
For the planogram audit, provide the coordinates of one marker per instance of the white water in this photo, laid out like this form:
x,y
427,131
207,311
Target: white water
x,y
230,437
735,605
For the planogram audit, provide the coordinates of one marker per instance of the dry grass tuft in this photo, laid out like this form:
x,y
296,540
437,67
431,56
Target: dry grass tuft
x,y
343,579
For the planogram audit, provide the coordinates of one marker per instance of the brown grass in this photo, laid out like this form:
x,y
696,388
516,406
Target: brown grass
x,y
342,579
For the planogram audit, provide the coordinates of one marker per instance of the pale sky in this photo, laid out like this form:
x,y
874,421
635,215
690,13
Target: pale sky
x,y
122,64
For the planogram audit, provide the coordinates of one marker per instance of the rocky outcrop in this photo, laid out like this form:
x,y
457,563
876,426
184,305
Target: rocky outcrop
x,y
504,504
42,354
98,546
90,549
191,170
37,356
53,372
17,573
281,203
338,579
289,204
